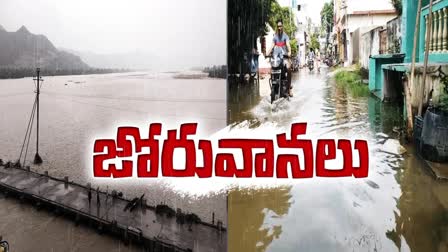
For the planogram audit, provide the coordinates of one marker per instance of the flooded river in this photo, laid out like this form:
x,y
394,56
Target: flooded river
x,y
399,207
27,229
76,109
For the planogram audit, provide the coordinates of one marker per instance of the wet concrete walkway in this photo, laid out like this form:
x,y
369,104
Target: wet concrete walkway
x,y
154,229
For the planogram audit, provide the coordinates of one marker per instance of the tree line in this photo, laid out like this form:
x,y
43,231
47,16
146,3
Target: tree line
x,y
216,72
15,73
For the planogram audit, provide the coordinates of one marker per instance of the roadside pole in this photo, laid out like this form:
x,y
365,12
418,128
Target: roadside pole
x,y
406,85
37,158
428,38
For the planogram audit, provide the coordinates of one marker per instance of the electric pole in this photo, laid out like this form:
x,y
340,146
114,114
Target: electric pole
x,y
37,158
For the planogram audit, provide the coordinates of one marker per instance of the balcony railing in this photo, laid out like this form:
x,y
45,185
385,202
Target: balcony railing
x,y
438,38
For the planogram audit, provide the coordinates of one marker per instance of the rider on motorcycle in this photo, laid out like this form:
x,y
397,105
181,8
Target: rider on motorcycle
x,y
311,59
281,39
311,54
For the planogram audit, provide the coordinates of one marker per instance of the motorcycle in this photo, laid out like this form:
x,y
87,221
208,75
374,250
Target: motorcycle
x,y
295,65
310,64
279,75
4,246
329,61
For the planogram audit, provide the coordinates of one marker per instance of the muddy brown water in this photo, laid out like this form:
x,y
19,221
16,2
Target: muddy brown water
x,y
399,207
27,229
75,110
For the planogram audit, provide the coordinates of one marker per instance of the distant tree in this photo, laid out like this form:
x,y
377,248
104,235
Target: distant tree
x,y
287,16
216,71
326,15
327,19
14,72
294,47
314,42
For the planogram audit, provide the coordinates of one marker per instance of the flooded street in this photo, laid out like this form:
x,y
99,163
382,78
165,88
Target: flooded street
x,y
77,109
399,207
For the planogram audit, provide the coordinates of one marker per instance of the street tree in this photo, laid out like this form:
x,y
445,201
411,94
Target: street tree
x,y
289,27
314,41
327,19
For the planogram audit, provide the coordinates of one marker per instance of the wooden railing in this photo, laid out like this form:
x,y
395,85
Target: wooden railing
x,y
438,44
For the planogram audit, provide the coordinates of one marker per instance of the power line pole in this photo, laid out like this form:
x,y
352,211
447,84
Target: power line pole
x,y
429,32
37,158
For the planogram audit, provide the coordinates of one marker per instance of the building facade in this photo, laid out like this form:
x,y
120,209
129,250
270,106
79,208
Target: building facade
x,y
351,15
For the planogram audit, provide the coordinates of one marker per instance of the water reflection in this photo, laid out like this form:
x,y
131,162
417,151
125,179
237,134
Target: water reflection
x,y
400,207
247,212
383,117
423,209
243,96
77,109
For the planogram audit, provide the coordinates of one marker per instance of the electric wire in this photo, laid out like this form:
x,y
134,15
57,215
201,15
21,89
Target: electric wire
x,y
28,130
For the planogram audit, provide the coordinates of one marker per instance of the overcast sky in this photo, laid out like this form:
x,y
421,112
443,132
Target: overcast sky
x,y
187,31
313,7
